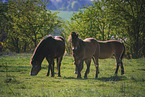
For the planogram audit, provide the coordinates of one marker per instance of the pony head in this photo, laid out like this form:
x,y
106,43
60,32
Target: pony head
x,y
36,67
74,40
76,67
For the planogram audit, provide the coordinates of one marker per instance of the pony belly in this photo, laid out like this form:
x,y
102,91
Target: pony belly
x,y
104,56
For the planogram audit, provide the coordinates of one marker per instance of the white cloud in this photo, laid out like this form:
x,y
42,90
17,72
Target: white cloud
x,y
56,0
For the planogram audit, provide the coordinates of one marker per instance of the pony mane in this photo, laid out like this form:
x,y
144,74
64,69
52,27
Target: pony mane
x,y
60,37
40,46
80,40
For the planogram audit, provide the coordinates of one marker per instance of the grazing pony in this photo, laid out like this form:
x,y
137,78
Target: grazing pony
x,y
50,48
103,49
84,50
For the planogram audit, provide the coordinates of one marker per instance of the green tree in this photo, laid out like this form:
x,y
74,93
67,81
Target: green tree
x,y
129,16
3,24
31,21
123,20
92,21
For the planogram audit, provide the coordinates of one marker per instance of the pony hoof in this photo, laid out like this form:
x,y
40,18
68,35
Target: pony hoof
x,y
59,75
96,77
79,77
47,74
85,77
122,73
52,75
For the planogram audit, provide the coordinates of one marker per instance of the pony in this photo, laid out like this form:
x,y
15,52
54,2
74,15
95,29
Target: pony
x,y
50,48
103,50
84,50
113,48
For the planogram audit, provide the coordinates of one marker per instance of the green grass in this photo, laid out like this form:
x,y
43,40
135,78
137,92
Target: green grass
x,y
16,81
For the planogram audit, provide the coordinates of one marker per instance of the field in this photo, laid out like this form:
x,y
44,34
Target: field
x,y
65,15
16,81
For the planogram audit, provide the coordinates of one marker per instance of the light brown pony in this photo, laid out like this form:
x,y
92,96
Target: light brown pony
x,y
104,49
84,50
50,48
113,48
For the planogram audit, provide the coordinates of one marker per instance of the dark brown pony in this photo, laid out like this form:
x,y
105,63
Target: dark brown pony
x,y
50,48
104,49
84,50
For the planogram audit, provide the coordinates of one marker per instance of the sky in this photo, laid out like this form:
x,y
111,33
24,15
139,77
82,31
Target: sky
x,y
3,0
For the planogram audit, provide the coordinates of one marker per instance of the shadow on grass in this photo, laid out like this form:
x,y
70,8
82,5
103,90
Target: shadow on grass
x,y
74,78
141,69
112,78
69,77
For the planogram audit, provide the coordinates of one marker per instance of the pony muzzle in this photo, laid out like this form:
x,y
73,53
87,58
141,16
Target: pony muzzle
x,y
74,49
75,72
33,74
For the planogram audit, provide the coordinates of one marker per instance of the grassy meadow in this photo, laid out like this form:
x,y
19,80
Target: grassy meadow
x,y
65,15
16,81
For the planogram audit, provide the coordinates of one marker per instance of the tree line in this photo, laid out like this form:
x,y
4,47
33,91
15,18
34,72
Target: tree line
x,y
24,23
122,20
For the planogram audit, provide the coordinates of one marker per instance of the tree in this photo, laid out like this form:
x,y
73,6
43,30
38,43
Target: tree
x,y
129,16
92,21
3,24
123,20
31,21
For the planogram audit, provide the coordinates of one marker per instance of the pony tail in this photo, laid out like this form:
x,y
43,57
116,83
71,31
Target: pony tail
x,y
123,52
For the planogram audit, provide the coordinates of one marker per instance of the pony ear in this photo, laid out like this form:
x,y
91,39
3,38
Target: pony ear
x,y
69,38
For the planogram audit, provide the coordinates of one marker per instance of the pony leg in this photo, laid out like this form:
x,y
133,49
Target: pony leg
x,y
81,66
49,66
88,62
52,68
79,63
97,66
119,61
76,69
58,65
117,67
122,68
